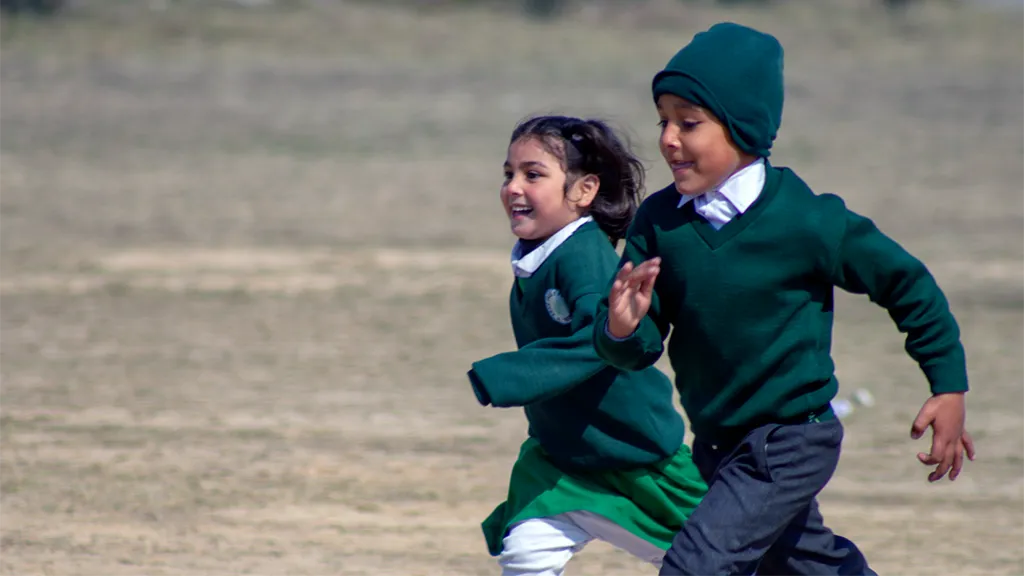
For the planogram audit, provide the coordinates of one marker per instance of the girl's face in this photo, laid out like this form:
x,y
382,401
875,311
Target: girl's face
x,y
534,194
696,146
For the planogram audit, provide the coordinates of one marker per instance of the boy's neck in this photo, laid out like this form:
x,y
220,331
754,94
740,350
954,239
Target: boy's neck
x,y
745,161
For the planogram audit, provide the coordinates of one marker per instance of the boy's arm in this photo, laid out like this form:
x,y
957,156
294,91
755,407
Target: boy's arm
x,y
550,366
867,261
642,348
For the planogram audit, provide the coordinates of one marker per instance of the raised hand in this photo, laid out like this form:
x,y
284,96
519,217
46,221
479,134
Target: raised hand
x,y
630,296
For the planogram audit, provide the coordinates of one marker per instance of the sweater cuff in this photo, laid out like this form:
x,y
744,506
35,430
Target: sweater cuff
x,y
947,375
478,388
635,352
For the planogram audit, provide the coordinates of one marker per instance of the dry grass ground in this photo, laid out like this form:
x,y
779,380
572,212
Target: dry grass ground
x,y
246,257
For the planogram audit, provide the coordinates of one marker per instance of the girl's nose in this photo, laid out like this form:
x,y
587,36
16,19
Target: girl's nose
x,y
512,188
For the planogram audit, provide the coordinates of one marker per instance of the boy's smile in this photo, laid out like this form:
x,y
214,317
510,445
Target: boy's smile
x,y
679,168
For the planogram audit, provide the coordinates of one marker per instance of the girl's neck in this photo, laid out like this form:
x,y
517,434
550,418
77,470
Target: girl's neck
x,y
527,246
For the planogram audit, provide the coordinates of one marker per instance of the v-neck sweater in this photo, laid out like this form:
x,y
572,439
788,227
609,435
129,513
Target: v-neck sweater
x,y
750,305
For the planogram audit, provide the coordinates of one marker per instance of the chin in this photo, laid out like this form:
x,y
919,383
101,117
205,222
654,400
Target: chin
x,y
689,189
523,234
683,189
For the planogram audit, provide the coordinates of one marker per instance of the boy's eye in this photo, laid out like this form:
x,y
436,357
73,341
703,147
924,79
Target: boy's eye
x,y
685,124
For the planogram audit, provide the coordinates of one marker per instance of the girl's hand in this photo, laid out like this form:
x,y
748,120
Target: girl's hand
x,y
630,296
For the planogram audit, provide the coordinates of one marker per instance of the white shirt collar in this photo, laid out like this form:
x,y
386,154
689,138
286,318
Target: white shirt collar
x,y
741,189
525,266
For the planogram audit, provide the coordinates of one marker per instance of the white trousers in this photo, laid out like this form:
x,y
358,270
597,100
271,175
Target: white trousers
x,y
543,546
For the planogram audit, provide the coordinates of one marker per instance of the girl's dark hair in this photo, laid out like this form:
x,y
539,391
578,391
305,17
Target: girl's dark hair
x,y
589,146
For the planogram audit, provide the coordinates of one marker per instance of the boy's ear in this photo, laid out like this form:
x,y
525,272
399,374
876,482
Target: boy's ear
x,y
586,190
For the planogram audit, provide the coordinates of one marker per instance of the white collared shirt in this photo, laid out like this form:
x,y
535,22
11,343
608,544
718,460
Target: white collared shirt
x,y
733,197
525,266
721,205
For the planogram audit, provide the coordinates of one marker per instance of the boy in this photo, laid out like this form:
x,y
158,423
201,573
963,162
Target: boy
x,y
741,259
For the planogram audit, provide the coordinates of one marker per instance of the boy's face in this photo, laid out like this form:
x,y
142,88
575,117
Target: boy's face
x,y
534,194
696,146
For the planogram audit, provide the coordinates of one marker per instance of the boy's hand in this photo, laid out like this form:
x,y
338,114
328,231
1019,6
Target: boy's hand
x,y
945,413
630,296
966,447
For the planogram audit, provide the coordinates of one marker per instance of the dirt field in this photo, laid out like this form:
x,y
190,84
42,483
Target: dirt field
x,y
249,254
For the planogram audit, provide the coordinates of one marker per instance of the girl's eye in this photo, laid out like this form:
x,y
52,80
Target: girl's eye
x,y
690,125
662,123
532,175
508,176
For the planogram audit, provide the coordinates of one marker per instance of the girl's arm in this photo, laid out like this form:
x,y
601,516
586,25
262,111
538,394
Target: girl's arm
x,y
543,368
550,366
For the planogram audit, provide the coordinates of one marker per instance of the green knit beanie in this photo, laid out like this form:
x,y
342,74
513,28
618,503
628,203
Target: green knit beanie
x,y
735,73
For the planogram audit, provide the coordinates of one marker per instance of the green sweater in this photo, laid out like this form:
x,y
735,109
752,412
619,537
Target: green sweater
x,y
585,413
751,305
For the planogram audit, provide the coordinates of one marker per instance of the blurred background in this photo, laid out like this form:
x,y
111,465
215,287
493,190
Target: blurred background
x,y
249,248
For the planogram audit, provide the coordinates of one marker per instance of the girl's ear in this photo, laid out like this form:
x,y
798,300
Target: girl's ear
x,y
585,189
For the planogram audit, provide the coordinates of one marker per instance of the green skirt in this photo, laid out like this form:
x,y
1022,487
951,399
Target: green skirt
x,y
651,502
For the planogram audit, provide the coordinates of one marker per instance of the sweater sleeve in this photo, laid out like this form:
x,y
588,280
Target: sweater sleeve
x,y
867,261
642,348
550,366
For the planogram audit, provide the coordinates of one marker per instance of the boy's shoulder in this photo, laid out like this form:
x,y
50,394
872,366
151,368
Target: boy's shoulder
x,y
816,221
660,202
812,205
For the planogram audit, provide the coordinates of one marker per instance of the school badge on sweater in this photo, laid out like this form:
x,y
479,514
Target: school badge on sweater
x,y
558,309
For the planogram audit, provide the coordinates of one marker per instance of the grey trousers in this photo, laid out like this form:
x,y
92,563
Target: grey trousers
x,y
760,515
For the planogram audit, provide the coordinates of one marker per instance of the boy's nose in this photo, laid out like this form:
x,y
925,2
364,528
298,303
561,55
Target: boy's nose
x,y
669,140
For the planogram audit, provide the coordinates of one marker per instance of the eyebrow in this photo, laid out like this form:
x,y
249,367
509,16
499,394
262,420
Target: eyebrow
x,y
527,164
683,106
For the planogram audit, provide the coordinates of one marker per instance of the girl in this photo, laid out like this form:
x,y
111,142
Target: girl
x,y
605,456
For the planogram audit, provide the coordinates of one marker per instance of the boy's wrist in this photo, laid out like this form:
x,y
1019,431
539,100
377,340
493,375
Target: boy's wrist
x,y
947,375
617,335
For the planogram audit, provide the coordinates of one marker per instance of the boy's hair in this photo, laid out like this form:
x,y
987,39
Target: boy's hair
x,y
590,146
